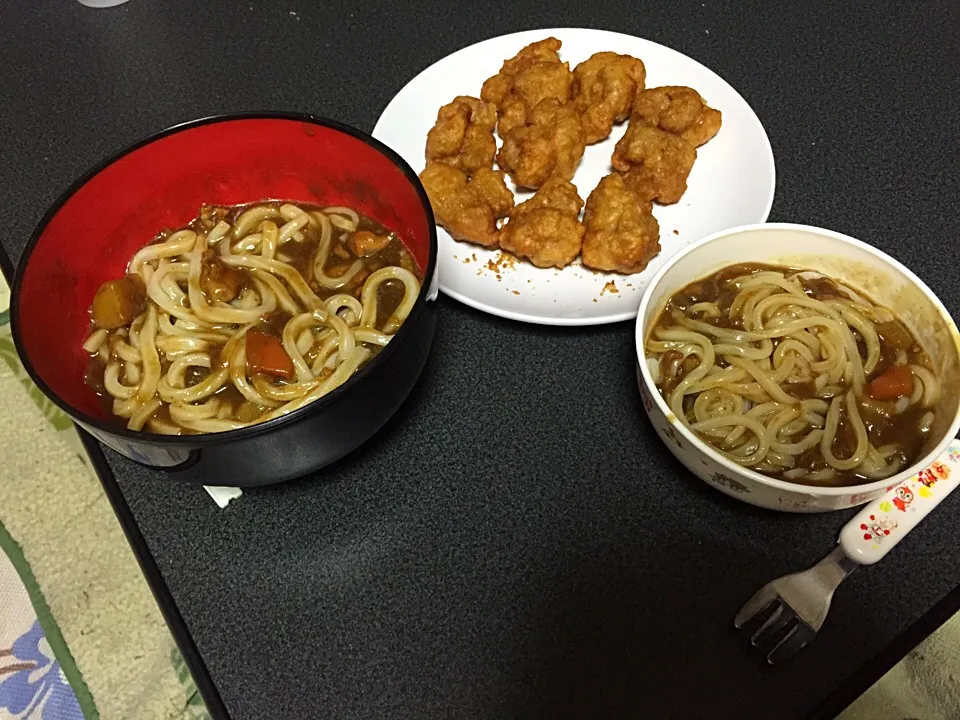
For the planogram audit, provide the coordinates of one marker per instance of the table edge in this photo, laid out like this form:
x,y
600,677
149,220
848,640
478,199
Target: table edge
x,y
158,586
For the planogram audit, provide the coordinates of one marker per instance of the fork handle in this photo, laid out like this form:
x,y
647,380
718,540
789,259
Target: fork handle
x,y
882,523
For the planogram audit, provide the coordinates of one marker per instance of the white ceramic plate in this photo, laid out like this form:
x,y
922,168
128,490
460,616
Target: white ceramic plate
x,y
731,184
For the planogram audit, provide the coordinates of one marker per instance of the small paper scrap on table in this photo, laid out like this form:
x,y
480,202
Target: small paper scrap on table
x,y
222,495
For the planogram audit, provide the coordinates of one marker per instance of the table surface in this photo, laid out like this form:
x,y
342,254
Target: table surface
x,y
517,542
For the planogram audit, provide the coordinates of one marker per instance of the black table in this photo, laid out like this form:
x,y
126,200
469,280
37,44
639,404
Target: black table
x,y
517,543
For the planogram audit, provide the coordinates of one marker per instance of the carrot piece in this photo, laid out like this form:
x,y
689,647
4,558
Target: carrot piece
x,y
118,302
892,384
265,354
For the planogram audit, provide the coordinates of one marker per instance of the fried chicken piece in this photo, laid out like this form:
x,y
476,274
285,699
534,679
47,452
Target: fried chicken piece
x,y
656,154
604,88
551,143
491,188
622,236
468,209
541,81
463,135
678,110
497,88
534,74
655,163
545,229
546,50
556,193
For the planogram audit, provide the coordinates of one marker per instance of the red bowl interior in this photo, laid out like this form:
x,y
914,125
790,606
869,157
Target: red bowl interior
x,y
91,237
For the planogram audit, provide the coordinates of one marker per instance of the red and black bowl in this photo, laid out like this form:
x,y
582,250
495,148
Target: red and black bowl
x,y
97,225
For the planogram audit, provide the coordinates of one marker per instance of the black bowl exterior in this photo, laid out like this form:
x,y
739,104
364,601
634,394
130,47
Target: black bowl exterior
x,y
311,443
310,437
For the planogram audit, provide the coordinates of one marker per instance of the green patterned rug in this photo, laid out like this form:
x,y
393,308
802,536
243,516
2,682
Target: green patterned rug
x,y
80,634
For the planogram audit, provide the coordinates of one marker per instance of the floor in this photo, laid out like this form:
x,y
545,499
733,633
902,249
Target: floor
x,y
80,634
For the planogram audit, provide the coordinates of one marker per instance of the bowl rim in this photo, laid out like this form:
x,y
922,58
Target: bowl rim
x,y
753,475
206,439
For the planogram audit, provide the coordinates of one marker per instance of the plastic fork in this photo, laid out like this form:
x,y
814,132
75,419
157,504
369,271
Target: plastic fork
x,y
787,612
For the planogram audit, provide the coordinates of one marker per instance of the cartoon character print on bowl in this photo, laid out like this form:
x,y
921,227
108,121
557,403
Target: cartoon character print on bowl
x,y
644,393
672,434
727,481
929,476
877,529
904,498
645,397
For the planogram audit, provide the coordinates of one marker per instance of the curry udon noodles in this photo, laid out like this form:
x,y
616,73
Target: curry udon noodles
x,y
245,315
794,374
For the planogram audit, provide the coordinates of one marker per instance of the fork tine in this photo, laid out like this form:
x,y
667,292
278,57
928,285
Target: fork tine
x,y
781,615
761,600
792,643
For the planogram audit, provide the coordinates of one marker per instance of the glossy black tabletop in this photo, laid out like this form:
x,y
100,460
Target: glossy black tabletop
x,y
517,542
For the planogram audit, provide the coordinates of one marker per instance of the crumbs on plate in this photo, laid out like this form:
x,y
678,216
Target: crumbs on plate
x,y
610,287
503,261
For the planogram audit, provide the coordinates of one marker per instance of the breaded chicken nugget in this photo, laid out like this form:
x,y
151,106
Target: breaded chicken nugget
x,y
604,88
545,229
467,208
621,234
534,74
463,135
551,143
678,110
655,163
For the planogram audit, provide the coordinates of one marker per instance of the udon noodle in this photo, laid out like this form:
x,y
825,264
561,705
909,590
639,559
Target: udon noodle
x,y
246,315
795,375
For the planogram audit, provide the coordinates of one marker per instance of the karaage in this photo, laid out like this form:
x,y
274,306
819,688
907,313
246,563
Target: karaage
x,y
545,229
551,143
463,135
604,88
678,110
491,188
532,75
655,163
467,208
621,234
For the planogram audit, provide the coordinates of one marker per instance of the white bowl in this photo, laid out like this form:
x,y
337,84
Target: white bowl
x,y
858,265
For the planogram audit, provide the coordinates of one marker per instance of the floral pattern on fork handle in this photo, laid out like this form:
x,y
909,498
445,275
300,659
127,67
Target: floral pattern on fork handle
x,y
881,524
